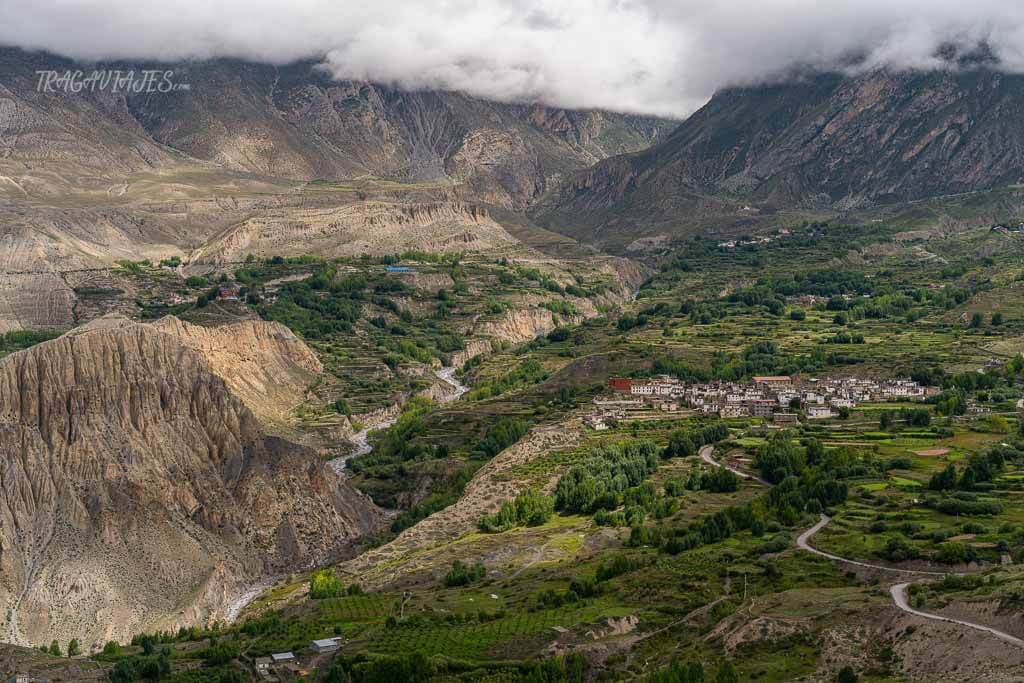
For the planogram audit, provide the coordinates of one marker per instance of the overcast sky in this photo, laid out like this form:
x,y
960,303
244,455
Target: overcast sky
x,y
651,56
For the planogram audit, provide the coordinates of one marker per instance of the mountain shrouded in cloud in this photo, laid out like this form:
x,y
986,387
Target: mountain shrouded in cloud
x,y
646,56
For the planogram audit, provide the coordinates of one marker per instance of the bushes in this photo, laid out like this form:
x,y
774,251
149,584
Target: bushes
x,y
16,340
529,372
615,566
958,506
324,583
462,574
598,483
530,508
955,553
684,442
719,480
502,434
898,550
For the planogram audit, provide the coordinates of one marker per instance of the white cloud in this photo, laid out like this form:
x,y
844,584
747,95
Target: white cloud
x,y
653,56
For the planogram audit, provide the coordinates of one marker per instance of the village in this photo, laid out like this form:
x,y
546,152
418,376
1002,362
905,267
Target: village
x,y
780,399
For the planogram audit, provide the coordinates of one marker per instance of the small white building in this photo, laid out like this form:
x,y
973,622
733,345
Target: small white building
x,y
326,645
282,657
817,412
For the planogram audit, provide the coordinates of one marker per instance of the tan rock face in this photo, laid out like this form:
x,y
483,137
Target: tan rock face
x,y
361,228
138,490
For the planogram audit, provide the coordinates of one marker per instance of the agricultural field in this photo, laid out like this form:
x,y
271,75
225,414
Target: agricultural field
x,y
523,542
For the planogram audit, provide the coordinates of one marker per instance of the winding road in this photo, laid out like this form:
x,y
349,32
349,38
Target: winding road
x,y
898,591
705,455
899,596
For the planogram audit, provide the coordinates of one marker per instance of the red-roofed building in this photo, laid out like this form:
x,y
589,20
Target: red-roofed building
x,y
774,382
622,385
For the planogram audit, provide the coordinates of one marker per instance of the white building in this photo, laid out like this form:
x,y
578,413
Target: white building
x,y
818,412
326,645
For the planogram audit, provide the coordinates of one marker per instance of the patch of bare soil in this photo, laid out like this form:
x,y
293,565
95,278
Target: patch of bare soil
x,y
987,613
928,650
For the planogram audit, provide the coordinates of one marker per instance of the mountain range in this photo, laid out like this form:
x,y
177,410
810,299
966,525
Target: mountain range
x,y
823,142
170,444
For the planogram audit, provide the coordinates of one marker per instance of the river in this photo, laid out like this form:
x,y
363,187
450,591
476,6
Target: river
x,y
361,439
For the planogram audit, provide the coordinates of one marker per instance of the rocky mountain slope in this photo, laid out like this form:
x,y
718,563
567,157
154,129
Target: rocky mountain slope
x,y
295,122
260,159
823,142
139,489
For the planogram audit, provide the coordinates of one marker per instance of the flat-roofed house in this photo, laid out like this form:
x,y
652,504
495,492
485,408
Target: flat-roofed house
x,y
761,407
818,412
326,645
774,381
622,385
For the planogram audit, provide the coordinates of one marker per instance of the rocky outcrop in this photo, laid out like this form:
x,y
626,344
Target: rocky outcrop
x,y
520,325
264,364
138,490
369,227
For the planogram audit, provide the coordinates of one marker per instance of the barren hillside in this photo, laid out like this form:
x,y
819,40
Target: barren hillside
x,y
140,490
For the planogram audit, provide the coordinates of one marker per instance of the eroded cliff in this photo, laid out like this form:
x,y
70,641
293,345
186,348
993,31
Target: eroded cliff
x,y
138,490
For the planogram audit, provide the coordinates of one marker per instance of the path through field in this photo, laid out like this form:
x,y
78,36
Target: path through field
x,y
898,591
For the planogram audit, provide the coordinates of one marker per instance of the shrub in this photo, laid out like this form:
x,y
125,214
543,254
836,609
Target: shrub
x,y
529,508
324,583
615,566
462,574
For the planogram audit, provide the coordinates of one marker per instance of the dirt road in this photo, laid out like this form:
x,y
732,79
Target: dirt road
x,y
705,454
899,590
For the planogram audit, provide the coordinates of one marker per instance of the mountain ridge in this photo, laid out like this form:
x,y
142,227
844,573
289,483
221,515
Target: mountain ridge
x,y
828,142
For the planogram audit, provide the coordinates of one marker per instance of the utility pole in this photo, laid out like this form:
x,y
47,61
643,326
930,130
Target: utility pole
x,y
406,596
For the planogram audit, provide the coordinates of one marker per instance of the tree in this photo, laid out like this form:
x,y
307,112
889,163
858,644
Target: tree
x,y
944,480
55,648
976,321
727,674
462,574
324,583
885,420
847,675
73,648
997,319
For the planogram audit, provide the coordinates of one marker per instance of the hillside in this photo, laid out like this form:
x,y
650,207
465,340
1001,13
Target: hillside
x,y
140,490
263,160
825,143
294,122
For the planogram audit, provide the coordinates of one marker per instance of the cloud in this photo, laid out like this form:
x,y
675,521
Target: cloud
x,y
651,56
